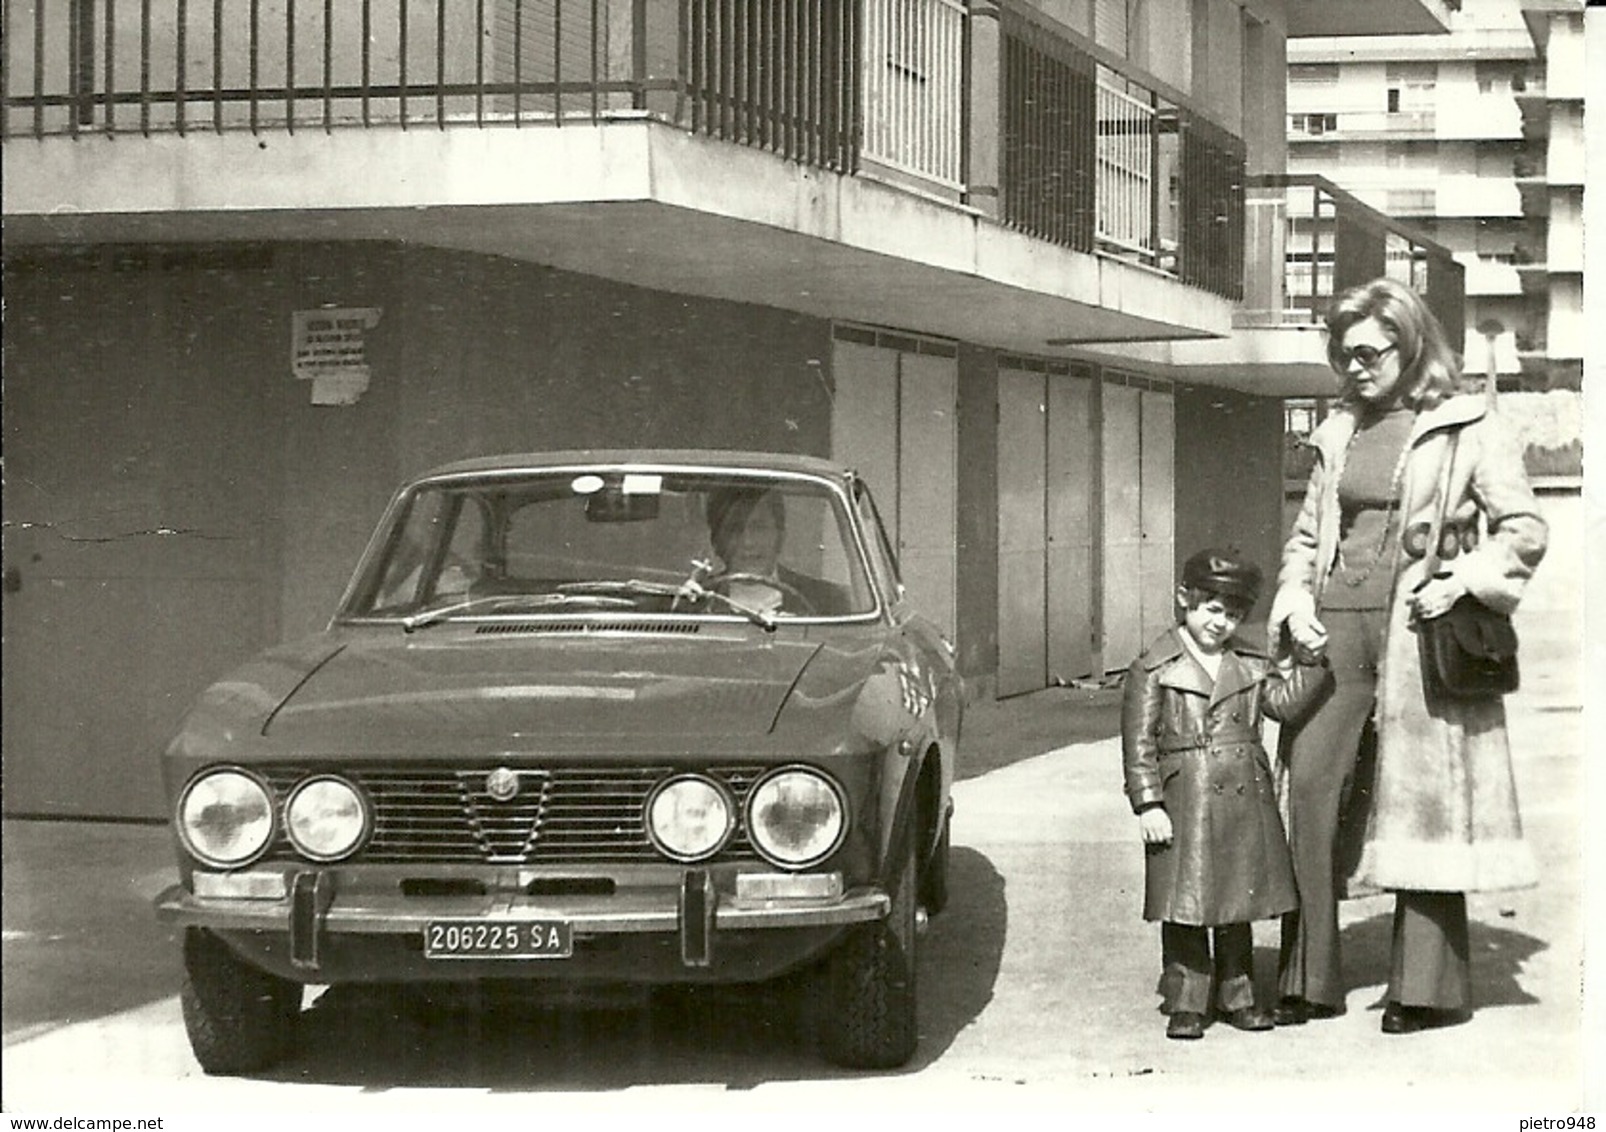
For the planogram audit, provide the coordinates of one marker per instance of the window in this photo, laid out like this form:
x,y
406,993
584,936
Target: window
x,y
1313,124
1313,74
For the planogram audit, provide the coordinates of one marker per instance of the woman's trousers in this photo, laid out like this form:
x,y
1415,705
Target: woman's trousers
x,y
1322,761
1429,960
1429,966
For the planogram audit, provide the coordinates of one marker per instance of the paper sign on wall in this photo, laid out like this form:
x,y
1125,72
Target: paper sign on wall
x,y
329,348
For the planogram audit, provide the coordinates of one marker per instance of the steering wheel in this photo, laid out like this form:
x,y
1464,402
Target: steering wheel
x,y
802,603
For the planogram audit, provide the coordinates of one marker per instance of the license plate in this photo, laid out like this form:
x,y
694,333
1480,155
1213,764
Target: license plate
x,y
498,939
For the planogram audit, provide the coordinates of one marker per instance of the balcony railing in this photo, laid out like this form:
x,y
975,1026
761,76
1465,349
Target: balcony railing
x,y
914,88
1098,161
778,74
1310,239
1089,154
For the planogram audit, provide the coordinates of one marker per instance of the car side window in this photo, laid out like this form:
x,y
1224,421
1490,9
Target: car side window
x,y
883,562
406,565
464,562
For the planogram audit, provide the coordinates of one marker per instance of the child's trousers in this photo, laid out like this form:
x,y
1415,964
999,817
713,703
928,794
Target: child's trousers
x,y
1190,969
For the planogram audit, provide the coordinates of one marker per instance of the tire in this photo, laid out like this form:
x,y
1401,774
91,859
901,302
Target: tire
x,y
869,1008
239,1019
934,877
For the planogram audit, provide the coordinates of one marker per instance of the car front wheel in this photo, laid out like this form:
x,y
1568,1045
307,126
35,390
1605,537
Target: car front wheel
x,y
869,1009
239,1019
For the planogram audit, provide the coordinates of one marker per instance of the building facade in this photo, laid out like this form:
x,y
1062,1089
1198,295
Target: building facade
x,y
263,259
1476,138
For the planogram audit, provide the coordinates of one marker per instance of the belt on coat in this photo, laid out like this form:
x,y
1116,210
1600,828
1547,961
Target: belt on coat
x,y
1189,740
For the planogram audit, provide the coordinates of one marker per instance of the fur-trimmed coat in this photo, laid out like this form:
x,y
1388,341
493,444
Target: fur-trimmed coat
x,y
1194,745
1444,813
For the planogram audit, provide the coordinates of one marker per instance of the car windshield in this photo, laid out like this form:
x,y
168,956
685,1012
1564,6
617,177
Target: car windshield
x,y
764,547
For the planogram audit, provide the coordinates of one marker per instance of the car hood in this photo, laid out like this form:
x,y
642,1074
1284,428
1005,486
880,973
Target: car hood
x,y
372,694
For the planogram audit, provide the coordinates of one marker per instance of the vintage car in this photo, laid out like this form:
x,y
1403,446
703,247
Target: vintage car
x,y
585,719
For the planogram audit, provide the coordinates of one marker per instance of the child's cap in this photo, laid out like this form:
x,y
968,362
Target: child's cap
x,y
1222,572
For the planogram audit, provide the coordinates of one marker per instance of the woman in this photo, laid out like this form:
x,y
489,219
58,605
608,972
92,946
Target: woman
x,y
1444,818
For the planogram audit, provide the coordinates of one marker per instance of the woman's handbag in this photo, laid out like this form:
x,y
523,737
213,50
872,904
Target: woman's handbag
x,y
1469,651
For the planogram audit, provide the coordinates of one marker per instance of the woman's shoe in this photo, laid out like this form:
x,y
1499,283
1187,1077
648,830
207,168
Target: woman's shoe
x,y
1290,1012
1294,1011
1185,1026
1400,1019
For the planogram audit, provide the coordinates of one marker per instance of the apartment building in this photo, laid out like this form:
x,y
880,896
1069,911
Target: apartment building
x,y
1011,259
1475,138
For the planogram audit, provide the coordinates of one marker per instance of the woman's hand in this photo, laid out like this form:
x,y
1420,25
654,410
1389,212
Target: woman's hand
x,y
1434,597
1309,637
1155,826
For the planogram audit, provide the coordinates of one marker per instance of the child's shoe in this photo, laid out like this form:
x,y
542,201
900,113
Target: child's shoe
x,y
1250,1018
1185,1026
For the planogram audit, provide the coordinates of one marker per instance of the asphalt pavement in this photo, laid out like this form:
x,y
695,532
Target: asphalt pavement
x,y
1037,985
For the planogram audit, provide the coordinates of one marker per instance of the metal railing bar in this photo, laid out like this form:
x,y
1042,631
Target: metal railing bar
x,y
181,52
290,65
5,68
328,63
145,66
255,34
75,78
401,62
557,59
38,69
596,98
638,52
479,62
518,62
217,65
683,69
367,56
440,64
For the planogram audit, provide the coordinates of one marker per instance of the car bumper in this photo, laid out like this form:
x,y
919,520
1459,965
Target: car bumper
x,y
328,928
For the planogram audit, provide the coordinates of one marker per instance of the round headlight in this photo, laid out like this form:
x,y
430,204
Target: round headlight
x,y
325,818
225,818
795,817
690,818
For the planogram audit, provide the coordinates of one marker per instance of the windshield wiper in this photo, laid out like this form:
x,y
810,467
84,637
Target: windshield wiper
x,y
628,586
431,616
693,590
690,590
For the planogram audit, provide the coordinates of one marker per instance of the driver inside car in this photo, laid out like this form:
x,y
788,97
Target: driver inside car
x,y
747,527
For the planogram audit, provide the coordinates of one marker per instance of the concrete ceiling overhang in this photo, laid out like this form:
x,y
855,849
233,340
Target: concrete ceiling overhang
x,y
1276,361
1366,17
636,202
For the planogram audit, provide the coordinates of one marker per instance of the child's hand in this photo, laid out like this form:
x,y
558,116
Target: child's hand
x,y
1155,826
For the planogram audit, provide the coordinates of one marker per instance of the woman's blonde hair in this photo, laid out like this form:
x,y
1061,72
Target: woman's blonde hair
x,y
1430,371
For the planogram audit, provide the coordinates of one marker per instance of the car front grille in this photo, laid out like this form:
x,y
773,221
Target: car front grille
x,y
564,815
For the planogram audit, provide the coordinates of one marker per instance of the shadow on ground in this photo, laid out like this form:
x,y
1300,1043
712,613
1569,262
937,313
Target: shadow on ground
x,y
734,1037
81,940
1498,956
1004,732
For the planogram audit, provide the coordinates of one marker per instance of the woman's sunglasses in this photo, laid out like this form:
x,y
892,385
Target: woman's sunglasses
x,y
1368,356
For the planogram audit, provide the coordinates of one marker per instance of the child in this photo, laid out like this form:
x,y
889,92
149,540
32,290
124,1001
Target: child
x,y
1198,779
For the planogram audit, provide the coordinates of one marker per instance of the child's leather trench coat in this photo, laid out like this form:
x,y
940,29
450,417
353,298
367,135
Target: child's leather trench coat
x,y
1196,748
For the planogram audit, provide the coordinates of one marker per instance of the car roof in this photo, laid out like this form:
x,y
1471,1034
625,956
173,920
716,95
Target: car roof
x,y
734,459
